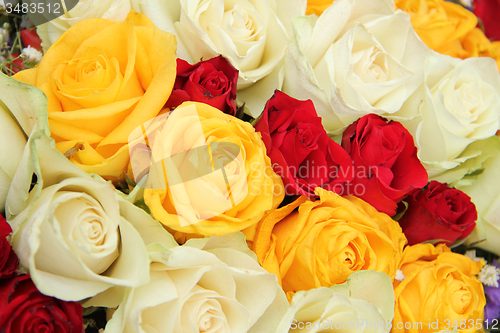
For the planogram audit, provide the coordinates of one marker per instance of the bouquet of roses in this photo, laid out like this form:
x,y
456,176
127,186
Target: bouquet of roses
x,y
249,166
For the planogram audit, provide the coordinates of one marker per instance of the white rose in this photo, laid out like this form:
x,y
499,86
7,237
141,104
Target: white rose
x,y
206,285
21,106
364,303
251,34
162,13
484,194
458,104
73,233
358,57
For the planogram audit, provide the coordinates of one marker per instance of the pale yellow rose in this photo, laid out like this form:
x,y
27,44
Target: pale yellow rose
x,y
73,233
210,285
325,241
358,57
484,194
200,197
439,289
363,304
457,112
22,111
102,79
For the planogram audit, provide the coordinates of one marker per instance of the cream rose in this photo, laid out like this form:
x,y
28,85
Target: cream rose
x,y
22,110
364,303
251,34
73,232
484,194
458,105
206,285
358,57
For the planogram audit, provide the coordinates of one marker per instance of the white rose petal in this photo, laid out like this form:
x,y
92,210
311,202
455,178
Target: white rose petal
x,y
21,107
364,303
76,236
485,195
458,104
209,287
351,61
252,35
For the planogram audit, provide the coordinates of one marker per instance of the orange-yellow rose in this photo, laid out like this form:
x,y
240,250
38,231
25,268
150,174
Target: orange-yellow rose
x,y
102,80
439,286
478,45
440,24
198,197
317,6
324,241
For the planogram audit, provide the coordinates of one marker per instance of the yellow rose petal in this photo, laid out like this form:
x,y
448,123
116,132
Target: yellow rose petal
x,y
103,79
324,241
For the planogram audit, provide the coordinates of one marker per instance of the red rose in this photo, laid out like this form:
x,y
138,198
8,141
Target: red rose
x,y
211,82
438,212
23,309
31,38
488,12
385,161
300,150
8,258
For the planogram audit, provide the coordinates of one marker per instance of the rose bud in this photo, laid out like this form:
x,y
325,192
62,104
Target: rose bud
x,y
385,160
299,147
438,213
31,38
24,309
212,82
8,258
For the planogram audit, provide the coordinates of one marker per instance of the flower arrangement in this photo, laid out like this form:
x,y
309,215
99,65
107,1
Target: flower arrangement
x,y
249,166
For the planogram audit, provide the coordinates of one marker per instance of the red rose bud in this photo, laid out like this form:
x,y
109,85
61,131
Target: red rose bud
x,y
487,11
211,82
385,160
300,150
438,213
17,62
8,258
31,38
24,309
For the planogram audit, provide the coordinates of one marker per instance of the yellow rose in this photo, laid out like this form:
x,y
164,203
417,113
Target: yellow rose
x,y
440,24
439,287
102,79
200,196
478,45
326,240
317,6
